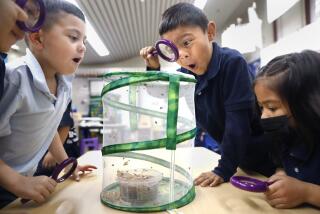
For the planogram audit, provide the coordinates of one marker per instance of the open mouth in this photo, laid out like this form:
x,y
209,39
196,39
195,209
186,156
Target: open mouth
x,y
192,66
76,60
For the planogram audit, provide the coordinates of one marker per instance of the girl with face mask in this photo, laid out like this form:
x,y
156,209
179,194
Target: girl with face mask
x,y
288,93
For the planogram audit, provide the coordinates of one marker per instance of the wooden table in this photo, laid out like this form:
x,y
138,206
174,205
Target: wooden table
x,y
84,196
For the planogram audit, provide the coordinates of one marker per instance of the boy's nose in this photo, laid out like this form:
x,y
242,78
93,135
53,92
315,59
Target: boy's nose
x,y
183,55
82,48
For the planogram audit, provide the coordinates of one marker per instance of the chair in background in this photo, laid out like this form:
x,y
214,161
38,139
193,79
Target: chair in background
x,y
91,143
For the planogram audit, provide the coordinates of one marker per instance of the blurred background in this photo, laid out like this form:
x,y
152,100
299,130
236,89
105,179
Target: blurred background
x,y
118,29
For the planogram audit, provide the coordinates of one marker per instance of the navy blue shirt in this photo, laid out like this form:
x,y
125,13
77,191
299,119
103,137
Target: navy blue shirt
x,y
66,118
302,162
2,72
224,102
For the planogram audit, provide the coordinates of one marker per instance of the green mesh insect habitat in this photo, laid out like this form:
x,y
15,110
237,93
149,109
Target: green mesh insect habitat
x,y
148,135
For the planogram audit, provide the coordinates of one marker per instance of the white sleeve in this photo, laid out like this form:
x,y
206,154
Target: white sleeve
x,y
10,101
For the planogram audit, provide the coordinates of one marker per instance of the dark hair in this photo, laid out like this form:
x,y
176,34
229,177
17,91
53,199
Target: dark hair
x,y
296,79
53,13
182,14
55,7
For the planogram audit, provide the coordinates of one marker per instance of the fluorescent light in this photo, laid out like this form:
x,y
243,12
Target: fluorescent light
x,y
96,42
92,37
200,3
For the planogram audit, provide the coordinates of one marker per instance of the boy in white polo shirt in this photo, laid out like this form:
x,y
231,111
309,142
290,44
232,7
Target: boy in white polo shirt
x,y
37,90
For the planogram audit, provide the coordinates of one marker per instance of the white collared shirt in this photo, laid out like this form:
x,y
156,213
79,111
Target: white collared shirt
x,y
29,113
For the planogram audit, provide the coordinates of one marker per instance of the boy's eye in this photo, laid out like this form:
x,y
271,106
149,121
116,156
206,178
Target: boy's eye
x,y
73,38
186,43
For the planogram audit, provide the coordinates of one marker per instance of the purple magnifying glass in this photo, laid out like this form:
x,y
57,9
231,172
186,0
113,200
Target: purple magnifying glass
x,y
61,172
166,50
249,184
36,12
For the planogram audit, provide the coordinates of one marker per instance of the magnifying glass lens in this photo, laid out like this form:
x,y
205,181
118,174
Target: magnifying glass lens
x,y
167,51
65,173
32,9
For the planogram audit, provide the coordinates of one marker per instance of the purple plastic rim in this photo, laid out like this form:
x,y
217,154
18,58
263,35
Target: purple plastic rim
x,y
40,21
61,167
249,184
173,48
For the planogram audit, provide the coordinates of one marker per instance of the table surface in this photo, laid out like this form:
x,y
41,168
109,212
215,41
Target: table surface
x,y
84,196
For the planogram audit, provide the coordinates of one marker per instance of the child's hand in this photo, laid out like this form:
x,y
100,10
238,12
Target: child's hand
x,y
49,161
151,61
280,171
208,179
285,191
81,170
37,188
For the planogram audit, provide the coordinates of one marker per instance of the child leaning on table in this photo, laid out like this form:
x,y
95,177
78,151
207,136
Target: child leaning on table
x,y
288,92
224,99
37,92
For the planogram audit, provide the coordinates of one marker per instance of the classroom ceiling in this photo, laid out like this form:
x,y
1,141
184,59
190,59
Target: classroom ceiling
x,y
125,26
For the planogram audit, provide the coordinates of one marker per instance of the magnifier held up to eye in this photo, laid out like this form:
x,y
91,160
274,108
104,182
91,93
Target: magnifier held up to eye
x,y
35,10
166,50
249,184
61,172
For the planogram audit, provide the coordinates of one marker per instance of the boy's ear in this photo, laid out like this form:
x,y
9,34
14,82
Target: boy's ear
x,y
36,40
211,31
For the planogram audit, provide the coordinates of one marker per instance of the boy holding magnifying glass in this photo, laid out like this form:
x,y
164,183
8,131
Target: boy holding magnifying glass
x,y
37,92
224,100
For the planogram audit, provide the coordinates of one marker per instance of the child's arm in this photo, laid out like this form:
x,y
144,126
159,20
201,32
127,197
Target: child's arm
x,y
36,188
234,142
236,135
289,192
48,160
57,150
64,133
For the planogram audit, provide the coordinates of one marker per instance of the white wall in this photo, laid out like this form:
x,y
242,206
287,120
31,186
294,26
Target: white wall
x,y
292,20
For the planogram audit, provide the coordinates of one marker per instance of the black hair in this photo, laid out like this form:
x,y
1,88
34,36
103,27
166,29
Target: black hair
x,y
182,14
53,13
55,7
296,79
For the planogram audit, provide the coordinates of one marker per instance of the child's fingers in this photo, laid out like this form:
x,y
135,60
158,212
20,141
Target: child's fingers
x,y
199,180
87,168
216,181
276,202
275,178
206,182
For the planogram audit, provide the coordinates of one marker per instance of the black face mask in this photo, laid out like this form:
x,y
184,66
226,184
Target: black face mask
x,y
275,124
277,130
